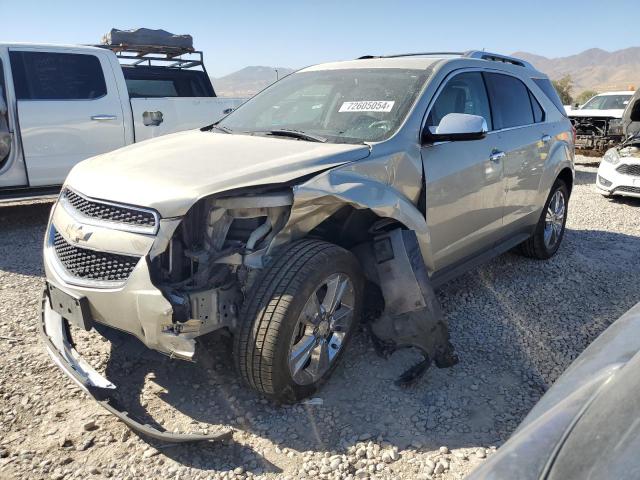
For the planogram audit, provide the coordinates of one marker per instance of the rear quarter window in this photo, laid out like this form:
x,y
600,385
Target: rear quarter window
x,y
549,90
57,76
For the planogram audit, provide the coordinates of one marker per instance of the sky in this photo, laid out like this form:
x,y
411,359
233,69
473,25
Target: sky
x,y
237,33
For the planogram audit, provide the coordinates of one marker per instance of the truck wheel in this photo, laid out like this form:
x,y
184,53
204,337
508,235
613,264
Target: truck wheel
x,y
546,238
297,320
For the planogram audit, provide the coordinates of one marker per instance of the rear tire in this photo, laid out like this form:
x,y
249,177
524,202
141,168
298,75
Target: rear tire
x,y
549,231
287,345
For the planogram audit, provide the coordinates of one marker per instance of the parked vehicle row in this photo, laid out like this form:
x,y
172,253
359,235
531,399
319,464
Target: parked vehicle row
x,y
60,105
386,173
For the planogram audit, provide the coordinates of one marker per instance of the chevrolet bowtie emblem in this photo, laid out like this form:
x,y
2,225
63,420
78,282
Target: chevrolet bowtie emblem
x,y
76,233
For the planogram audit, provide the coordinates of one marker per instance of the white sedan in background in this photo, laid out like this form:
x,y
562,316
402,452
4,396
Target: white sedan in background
x,y
619,171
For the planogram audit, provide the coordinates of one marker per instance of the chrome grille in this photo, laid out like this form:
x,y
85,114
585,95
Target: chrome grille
x,y
91,264
629,170
108,212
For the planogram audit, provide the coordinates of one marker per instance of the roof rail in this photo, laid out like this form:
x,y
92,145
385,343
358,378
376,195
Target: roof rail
x,y
496,57
478,54
415,54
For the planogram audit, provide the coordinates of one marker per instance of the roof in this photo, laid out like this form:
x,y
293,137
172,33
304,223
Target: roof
x,y
46,45
621,92
421,61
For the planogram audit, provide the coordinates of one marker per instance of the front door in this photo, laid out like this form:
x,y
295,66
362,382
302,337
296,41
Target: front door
x,y
464,183
68,110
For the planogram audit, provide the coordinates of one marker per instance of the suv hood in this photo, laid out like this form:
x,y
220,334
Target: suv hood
x,y
616,113
172,172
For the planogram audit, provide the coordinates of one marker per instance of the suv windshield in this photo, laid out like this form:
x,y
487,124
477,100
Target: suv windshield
x,y
343,106
607,102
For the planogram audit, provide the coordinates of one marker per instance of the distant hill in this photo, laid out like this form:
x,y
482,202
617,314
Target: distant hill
x,y
593,69
248,81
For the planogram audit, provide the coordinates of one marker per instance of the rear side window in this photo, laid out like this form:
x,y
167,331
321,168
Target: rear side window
x,y
547,87
57,76
464,93
154,82
510,102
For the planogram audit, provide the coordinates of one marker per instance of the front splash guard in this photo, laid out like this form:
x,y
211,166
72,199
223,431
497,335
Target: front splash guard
x,y
412,317
57,340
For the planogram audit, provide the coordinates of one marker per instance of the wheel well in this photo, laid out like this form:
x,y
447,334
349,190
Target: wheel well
x,y
567,177
350,226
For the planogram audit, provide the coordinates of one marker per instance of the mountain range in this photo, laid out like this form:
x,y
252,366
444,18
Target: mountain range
x,y
593,69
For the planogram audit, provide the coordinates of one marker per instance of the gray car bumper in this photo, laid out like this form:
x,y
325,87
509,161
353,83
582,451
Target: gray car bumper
x,y
55,333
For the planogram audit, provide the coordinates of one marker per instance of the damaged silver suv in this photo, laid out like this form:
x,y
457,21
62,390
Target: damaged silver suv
x,y
384,174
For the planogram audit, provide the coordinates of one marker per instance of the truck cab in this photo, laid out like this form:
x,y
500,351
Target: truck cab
x,y
61,104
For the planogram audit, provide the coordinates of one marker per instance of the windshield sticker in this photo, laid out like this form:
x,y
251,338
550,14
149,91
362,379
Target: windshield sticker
x,y
367,106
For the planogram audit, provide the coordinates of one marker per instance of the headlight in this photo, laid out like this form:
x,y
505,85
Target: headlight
x,y
615,126
612,157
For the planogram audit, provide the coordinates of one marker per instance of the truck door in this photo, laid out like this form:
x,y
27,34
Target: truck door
x,y
68,109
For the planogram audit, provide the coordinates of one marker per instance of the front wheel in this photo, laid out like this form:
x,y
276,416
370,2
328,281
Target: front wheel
x,y
549,232
297,320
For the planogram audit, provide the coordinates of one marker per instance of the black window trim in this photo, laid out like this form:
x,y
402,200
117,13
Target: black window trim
x,y
102,68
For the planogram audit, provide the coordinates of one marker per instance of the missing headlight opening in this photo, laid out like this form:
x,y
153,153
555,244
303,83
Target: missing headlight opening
x,y
214,255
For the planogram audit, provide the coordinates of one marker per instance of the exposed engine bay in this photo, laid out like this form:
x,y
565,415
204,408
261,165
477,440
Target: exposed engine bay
x,y
595,135
214,255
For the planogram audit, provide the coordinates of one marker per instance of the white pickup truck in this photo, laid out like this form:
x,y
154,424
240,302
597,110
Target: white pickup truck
x,y
62,104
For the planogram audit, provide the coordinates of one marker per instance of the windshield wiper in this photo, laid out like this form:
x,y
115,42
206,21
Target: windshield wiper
x,y
284,132
221,128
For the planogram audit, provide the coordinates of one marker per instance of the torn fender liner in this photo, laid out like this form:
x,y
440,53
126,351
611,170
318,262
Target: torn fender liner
x,y
412,317
55,334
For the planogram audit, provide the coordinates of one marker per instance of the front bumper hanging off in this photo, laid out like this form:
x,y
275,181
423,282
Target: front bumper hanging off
x,y
56,336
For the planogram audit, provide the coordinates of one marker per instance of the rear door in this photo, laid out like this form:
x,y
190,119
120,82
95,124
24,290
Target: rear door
x,y
519,121
68,109
464,189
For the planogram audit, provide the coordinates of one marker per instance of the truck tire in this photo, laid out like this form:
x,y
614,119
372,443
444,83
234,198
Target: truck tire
x,y
297,320
549,231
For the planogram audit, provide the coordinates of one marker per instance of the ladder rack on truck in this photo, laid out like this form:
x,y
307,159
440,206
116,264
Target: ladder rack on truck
x,y
157,55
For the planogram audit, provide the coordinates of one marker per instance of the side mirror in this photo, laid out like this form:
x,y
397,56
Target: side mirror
x,y
457,127
635,111
576,105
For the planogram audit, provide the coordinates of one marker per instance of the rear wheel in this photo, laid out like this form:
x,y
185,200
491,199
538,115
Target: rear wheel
x,y
549,232
297,320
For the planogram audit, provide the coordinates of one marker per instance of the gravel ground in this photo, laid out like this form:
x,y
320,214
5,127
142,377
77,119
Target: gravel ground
x,y
516,325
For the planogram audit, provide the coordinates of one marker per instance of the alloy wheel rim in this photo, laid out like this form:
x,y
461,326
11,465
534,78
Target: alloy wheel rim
x,y
554,219
320,331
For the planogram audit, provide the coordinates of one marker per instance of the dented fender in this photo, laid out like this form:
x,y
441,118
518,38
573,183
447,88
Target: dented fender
x,y
389,186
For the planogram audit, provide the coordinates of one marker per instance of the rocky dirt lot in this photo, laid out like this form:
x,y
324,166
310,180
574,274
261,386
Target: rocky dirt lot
x,y
516,325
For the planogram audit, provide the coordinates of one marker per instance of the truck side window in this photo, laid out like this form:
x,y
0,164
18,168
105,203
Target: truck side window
x,y
57,76
510,101
464,93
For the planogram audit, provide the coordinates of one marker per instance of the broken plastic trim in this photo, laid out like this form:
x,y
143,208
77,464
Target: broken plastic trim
x,y
412,317
96,385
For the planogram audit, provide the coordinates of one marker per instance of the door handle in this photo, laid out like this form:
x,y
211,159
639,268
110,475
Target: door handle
x,y
546,138
102,118
496,156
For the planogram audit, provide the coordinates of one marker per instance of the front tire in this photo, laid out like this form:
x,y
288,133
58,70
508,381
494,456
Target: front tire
x,y
549,232
297,320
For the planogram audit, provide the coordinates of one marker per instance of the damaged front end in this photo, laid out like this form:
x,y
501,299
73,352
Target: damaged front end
x,y
596,134
212,259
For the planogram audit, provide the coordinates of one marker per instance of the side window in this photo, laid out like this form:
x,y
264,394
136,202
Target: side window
x,y
464,93
57,76
538,113
510,101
